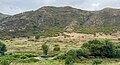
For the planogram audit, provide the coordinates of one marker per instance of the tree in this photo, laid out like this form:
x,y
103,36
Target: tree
x,y
101,47
2,48
45,48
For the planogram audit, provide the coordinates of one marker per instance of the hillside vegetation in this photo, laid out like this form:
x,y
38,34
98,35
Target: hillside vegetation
x,y
50,21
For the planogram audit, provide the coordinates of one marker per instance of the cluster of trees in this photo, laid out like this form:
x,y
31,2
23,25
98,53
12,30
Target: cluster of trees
x,y
93,48
102,48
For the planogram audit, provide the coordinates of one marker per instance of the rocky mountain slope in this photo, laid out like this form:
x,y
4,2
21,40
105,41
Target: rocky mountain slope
x,y
3,16
49,19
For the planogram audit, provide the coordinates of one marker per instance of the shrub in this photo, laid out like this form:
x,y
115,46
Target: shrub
x,y
30,55
17,58
117,45
61,56
108,50
69,60
23,57
96,62
83,52
118,53
27,60
16,55
45,48
37,36
31,60
93,46
72,53
56,48
100,48
4,62
7,57
10,54
2,48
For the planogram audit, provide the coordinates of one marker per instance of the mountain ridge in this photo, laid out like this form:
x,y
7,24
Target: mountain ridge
x,y
47,18
3,15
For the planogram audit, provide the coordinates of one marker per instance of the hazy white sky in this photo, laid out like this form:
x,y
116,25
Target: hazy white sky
x,y
17,6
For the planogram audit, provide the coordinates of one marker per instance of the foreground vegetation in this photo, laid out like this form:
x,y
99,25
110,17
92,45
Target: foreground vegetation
x,y
93,52
30,61
61,62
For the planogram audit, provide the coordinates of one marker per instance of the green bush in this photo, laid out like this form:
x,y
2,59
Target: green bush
x,y
18,58
96,62
30,55
2,48
56,48
7,57
83,52
100,47
28,60
45,48
37,36
108,49
33,60
72,53
16,55
23,57
118,53
19,55
4,62
69,60
117,45
61,56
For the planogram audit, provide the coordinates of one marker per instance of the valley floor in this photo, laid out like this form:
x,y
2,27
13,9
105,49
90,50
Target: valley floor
x,y
66,42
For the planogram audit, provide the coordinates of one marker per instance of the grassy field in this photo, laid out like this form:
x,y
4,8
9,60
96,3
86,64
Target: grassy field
x,y
66,42
34,47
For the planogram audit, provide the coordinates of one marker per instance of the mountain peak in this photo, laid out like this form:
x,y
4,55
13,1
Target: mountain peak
x,y
53,7
44,7
3,15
